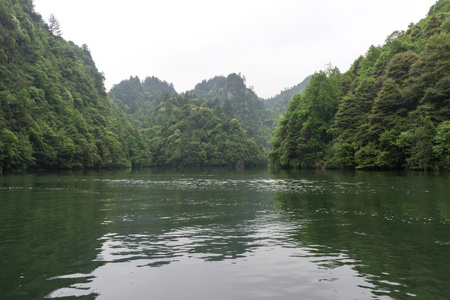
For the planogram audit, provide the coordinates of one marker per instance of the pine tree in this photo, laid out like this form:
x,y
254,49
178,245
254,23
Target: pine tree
x,y
54,26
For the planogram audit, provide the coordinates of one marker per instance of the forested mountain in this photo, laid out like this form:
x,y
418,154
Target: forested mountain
x,y
390,110
240,102
54,111
185,131
280,103
136,97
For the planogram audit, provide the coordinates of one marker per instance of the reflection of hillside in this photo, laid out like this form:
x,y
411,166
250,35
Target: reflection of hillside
x,y
392,224
171,216
224,233
49,226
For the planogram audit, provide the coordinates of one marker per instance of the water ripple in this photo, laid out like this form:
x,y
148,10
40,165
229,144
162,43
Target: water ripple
x,y
258,184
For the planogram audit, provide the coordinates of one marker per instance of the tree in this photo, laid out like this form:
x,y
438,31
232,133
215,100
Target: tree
x,y
441,149
399,66
418,140
351,120
54,26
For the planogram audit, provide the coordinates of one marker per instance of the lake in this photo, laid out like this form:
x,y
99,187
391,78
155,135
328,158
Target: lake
x,y
224,234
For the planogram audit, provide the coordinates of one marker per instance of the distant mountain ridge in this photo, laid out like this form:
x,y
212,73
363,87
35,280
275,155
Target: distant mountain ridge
x,y
256,115
279,103
136,97
241,102
188,130
230,93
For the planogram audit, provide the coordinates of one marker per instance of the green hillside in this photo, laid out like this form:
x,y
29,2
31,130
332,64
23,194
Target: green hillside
x,y
390,110
136,97
185,131
54,111
240,102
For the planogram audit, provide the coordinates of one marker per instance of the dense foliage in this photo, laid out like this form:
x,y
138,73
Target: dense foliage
x,y
182,130
138,98
54,111
186,131
240,102
390,110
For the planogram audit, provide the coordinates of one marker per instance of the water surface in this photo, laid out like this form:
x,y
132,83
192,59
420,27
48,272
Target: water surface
x,y
224,234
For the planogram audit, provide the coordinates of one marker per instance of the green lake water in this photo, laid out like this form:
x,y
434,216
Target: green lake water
x,y
225,234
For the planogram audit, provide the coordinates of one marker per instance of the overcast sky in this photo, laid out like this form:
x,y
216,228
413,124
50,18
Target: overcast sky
x,y
274,43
